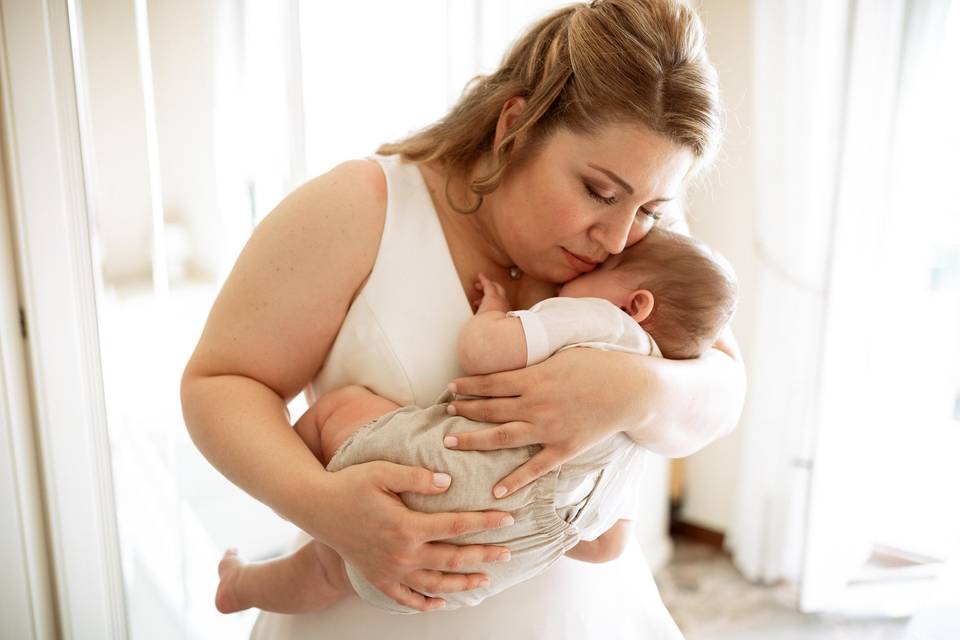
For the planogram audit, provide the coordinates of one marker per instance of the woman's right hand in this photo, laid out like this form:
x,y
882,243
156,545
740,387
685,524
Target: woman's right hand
x,y
368,524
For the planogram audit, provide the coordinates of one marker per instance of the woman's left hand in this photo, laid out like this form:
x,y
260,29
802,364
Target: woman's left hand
x,y
566,403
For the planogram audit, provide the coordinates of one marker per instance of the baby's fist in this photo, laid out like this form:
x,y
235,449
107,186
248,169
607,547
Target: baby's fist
x,y
494,296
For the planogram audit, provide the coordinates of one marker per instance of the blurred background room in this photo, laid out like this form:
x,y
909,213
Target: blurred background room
x,y
144,139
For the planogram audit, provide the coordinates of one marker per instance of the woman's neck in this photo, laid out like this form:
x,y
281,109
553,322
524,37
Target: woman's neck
x,y
475,247
475,230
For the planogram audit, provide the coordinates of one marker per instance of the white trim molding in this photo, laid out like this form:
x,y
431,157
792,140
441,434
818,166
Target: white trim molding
x,y
58,283
26,595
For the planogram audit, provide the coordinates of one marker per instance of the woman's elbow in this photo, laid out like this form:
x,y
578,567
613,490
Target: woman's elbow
x,y
200,394
596,553
191,392
610,553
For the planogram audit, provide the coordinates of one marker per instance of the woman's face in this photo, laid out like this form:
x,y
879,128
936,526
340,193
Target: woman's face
x,y
564,209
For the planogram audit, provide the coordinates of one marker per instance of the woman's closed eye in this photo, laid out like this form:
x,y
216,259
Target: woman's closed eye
x,y
611,200
599,198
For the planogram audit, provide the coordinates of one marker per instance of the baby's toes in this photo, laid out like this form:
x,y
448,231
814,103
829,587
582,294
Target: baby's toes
x,y
230,559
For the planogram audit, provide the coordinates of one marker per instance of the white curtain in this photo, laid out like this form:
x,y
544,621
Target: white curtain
x,y
258,120
851,151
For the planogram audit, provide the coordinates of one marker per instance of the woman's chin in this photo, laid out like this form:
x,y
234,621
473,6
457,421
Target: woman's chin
x,y
562,275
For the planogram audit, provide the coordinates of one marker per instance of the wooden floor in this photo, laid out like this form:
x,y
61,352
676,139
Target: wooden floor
x,y
709,599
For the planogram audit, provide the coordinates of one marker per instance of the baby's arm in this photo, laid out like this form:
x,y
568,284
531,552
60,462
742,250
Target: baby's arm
x,y
491,341
607,547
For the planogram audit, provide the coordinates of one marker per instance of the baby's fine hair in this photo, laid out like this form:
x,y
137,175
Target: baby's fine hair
x,y
694,291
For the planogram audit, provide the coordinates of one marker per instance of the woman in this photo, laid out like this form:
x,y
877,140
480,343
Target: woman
x,y
567,154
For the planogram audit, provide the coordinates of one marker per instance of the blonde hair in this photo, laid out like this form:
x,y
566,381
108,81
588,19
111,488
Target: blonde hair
x,y
694,291
580,68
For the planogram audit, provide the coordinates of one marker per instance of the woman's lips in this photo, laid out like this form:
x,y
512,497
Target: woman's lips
x,y
580,264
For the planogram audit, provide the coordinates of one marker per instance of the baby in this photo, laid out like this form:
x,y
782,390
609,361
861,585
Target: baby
x,y
667,295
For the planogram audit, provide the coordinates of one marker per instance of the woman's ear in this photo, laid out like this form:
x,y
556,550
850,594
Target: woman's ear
x,y
509,113
639,305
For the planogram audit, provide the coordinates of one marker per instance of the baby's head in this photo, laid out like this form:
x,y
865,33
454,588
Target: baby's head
x,y
680,291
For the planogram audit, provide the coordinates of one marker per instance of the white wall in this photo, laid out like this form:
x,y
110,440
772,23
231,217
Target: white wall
x,y
721,212
119,171
195,62
183,47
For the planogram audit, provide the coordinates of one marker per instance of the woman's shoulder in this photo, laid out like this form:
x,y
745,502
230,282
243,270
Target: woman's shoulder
x,y
348,203
295,279
365,175
358,186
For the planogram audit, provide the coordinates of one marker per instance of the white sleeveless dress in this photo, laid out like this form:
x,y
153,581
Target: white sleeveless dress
x,y
398,339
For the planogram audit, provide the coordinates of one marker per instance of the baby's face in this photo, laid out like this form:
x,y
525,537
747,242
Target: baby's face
x,y
603,282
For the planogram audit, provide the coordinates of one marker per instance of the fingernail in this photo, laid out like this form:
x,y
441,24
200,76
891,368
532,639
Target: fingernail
x,y
485,582
441,480
503,557
500,492
452,387
450,441
452,410
506,521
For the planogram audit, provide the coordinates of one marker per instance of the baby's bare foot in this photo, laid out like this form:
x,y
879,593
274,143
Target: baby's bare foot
x,y
230,568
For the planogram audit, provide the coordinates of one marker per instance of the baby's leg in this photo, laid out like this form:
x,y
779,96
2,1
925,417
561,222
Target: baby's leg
x,y
309,579
608,546
313,577
336,415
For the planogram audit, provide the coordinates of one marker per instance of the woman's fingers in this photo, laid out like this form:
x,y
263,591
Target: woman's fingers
x,y
502,384
451,557
508,435
408,597
440,526
486,409
544,461
426,581
398,478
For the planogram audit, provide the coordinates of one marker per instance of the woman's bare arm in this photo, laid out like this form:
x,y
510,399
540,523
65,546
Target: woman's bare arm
x,y
699,400
267,334
269,331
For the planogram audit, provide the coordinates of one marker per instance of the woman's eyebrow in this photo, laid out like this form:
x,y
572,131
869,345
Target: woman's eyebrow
x,y
613,176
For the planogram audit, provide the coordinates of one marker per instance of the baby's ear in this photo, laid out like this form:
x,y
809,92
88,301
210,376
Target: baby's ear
x,y
640,305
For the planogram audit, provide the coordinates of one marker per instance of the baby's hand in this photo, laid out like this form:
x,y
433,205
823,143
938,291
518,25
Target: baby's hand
x,y
494,295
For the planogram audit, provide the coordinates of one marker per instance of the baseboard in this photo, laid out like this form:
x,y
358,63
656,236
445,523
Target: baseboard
x,y
690,531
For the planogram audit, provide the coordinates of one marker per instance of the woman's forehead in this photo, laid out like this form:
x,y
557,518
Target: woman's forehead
x,y
642,158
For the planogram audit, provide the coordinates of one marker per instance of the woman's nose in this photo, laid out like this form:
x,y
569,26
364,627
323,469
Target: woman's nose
x,y
612,234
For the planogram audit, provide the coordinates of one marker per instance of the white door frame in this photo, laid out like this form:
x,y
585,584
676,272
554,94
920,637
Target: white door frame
x,y
26,594
58,288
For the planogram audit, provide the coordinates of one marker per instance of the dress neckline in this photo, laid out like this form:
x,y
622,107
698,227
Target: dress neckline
x,y
451,263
